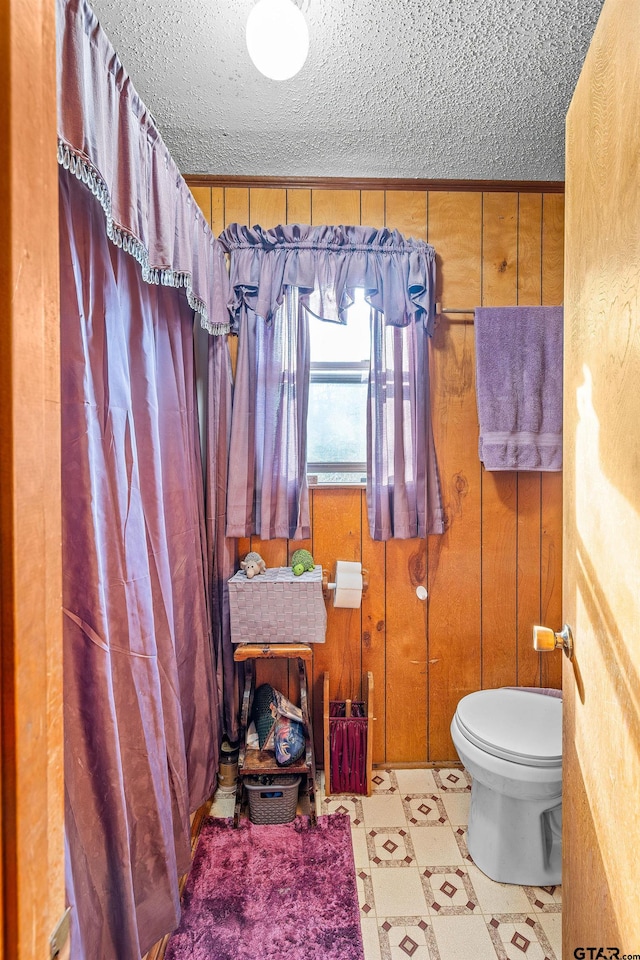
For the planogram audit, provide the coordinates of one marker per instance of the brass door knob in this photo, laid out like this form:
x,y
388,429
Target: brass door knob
x,y
545,639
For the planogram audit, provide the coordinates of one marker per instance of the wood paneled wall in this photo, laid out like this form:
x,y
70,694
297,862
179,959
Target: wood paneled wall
x,y
497,569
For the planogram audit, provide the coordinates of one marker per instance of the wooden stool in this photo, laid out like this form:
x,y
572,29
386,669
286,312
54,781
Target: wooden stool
x,y
253,762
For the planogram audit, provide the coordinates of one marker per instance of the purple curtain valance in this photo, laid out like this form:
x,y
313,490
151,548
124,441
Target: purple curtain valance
x,y
108,139
326,264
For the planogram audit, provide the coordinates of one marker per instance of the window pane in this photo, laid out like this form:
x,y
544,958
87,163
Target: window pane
x,y
342,342
337,426
336,432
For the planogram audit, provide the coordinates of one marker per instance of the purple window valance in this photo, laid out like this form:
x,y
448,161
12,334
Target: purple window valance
x,y
276,279
326,264
108,139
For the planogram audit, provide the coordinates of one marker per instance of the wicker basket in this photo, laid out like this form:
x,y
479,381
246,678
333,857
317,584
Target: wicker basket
x,y
272,799
277,607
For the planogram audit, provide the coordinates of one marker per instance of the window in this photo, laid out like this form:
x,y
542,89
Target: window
x,y
337,418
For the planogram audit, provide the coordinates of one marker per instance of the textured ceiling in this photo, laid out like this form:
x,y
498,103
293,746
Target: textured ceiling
x,y
461,89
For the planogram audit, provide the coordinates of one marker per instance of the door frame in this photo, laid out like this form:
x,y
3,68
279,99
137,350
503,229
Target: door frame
x,y
31,737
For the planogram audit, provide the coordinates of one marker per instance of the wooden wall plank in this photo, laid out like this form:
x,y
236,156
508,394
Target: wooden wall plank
x,y
552,248
374,637
218,222
454,564
498,510
298,206
202,196
337,536
551,576
406,616
552,293
529,484
244,546
406,628
268,208
372,204
499,249
499,626
528,577
406,211
335,207
529,249
236,205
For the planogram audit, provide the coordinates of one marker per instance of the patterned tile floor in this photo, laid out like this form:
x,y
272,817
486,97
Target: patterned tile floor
x,y
421,896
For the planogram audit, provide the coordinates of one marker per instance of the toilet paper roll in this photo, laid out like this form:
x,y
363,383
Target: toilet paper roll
x,y
348,591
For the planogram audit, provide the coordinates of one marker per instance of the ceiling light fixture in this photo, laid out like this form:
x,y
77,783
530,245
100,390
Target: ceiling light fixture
x,y
277,38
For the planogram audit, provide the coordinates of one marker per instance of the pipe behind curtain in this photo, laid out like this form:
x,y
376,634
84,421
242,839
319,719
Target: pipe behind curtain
x,y
141,702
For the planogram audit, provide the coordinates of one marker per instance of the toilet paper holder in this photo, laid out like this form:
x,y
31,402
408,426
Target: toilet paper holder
x,y
329,586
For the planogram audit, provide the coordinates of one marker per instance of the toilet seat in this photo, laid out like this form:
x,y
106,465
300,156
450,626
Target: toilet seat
x,y
515,725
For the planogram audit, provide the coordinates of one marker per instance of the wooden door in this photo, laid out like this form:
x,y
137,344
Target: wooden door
x,y
31,814
601,866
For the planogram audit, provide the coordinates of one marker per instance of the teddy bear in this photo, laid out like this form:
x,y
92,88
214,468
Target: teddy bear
x,y
253,565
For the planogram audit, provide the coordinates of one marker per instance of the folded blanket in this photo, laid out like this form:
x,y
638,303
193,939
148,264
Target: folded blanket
x,y
519,387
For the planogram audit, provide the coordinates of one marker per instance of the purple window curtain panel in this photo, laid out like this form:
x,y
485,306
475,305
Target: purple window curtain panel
x,y
222,551
403,490
140,697
108,139
267,489
276,278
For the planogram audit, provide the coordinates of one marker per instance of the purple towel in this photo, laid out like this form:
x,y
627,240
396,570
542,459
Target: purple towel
x,y
519,387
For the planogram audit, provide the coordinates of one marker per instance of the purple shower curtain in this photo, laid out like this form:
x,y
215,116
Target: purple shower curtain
x,y
141,709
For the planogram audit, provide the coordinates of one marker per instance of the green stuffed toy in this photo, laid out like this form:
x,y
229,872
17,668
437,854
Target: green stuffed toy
x,y
301,561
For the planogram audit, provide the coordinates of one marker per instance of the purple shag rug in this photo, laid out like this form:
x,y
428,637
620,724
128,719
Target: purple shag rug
x,y
271,892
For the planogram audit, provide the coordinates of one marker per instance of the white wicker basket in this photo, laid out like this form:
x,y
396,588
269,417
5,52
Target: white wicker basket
x,y
277,607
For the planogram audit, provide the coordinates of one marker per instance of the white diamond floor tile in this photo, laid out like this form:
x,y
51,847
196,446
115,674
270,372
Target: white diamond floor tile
x,y
497,897
398,893
415,781
382,809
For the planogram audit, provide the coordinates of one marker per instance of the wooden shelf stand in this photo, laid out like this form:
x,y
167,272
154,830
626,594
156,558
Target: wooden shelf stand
x,y
253,762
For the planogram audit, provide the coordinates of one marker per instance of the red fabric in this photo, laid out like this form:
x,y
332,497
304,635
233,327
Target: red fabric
x,y
348,750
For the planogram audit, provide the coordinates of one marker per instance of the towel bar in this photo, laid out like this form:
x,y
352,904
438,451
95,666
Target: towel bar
x,y
440,310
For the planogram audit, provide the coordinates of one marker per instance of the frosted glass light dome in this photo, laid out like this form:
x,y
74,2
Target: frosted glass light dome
x,y
277,38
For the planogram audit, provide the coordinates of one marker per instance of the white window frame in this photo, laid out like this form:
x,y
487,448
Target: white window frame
x,y
338,372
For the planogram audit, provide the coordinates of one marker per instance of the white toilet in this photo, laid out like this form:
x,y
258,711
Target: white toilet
x,y
510,741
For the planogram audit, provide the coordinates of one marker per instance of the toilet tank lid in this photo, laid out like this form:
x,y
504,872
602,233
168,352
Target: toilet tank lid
x,y
517,725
